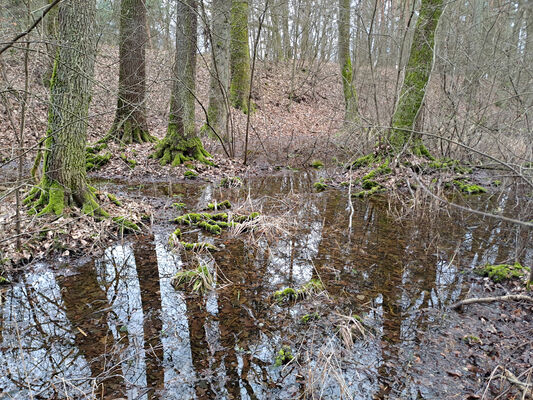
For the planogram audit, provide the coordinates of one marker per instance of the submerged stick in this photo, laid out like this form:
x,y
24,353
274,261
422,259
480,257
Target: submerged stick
x,y
510,297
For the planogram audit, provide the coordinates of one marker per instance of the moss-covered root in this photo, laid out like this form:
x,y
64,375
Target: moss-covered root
x,y
51,198
125,225
127,132
176,152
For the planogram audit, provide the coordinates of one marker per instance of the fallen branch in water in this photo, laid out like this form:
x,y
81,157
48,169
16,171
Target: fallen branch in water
x,y
509,297
526,387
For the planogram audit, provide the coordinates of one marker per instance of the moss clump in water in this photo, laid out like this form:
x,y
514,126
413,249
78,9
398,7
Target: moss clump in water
x,y
219,206
468,188
317,164
320,186
502,272
198,246
208,227
284,356
179,206
309,317
314,286
198,279
231,181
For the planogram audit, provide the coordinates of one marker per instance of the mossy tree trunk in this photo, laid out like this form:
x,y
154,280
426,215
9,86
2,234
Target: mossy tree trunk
x,y
220,72
350,95
417,76
130,124
50,27
181,142
64,181
239,55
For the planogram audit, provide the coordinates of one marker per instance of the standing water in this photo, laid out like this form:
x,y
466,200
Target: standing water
x,y
117,326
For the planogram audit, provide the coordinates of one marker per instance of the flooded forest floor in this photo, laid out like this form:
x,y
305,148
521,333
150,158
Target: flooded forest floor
x,y
368,316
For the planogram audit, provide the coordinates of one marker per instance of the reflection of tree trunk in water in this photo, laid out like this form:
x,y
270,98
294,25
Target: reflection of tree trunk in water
x,y
196,318
237,328
85,303
148,274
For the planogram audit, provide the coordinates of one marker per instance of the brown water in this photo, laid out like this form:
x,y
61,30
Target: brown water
x,y
116,327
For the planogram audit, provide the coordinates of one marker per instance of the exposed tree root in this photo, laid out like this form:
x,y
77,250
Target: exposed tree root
x,y
127,132
510,297
175,151
49,197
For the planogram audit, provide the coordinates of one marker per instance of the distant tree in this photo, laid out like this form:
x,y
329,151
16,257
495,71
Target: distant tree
x,y
181,142
345,61
220,71
417,75
64,181
130,124
239,54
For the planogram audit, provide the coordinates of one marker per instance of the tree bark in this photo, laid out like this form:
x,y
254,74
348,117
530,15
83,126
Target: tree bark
x,y
130,124
217,111
64,181
417,75
240,54
181,142
350,96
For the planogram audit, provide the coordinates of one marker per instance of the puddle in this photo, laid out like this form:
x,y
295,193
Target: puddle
x,y
118,327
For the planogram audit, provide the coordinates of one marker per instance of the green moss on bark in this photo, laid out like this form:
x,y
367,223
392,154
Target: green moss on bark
x,y
239,55
174,149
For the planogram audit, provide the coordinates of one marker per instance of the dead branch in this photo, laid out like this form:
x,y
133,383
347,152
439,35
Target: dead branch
x,y
509,297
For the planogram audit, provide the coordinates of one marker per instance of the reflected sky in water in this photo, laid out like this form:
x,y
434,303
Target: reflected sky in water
x,y
118,326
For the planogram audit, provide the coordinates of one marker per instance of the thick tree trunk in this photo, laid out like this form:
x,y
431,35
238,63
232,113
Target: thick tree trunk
x,y
64,181
181,142
240,54
130,119
51,39
417,75
220,72
350,96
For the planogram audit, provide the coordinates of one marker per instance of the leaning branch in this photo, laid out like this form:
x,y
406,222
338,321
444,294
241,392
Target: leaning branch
x,y
31,28
509,297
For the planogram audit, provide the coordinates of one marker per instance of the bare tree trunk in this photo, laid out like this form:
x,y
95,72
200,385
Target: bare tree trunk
x,y
417,75
181,142
130,124
350,97
220,73
51,39
64,181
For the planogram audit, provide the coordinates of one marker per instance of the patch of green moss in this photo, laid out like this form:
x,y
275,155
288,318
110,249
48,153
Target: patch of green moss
x,y
190,174
314,286
320,186
130,162
284,356
96,148
220,217
179,206
310,317
219,206
113,199
468,188
198,246
502,272
4,280
363,161
208,227
317,164
472,339
96,161
244,218
496,182
198,279
367,193
125,225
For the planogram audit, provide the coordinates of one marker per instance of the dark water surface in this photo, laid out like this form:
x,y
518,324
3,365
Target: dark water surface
x,y
117,328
